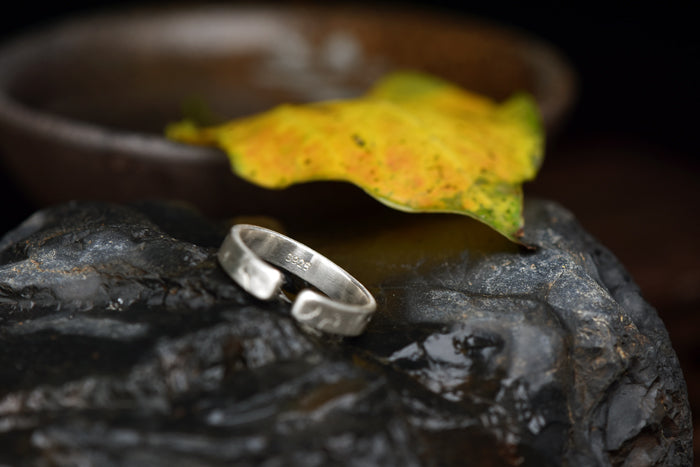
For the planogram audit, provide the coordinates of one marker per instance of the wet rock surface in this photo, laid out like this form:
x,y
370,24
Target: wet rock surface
x,y
123,343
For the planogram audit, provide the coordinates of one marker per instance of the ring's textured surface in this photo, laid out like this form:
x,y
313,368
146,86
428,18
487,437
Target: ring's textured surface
x,y
345,309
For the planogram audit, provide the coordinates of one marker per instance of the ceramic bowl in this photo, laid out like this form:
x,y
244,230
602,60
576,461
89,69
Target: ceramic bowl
x,y
83,103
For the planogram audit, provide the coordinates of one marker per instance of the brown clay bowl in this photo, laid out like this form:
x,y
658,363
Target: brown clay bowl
x,y
83,103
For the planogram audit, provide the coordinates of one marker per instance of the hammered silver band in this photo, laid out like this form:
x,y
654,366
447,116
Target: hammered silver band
x,y
248,252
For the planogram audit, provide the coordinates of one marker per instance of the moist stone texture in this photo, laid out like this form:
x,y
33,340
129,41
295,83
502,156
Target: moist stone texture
x,y
122,342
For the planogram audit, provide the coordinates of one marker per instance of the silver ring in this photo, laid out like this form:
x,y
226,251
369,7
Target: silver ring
x,y
245,254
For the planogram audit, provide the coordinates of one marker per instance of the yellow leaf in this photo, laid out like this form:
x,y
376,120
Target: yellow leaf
x,y
414,142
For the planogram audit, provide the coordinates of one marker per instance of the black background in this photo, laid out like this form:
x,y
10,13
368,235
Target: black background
x,y
634,63
627,162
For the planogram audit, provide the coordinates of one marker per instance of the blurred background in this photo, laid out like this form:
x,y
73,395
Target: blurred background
x,y
626,161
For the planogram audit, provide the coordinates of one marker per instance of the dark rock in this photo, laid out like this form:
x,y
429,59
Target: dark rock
x,y
123,343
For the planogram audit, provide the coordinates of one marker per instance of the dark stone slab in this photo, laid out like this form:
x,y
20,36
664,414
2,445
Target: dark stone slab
x,y
123,343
